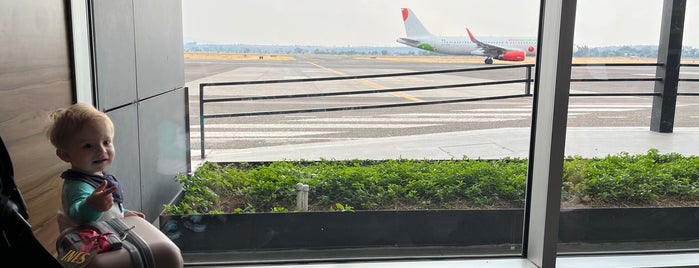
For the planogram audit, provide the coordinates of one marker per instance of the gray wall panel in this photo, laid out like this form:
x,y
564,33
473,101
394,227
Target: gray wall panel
x,y
126,166
159,46
115,56
163,148
138,53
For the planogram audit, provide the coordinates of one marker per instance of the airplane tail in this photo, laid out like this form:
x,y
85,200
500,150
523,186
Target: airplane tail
x,y
413,26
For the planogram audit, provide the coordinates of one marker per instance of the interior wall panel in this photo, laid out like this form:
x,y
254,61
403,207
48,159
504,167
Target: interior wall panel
x,y
163,143
126,166
115,56
138,57
35,78
159,46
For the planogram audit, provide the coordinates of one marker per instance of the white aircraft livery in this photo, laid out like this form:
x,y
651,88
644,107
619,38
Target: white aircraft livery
x,y
507,48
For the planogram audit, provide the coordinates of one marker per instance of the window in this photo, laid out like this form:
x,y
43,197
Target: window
x,y
477,120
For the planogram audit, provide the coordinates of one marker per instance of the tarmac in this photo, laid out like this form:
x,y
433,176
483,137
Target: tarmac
x,y
587,142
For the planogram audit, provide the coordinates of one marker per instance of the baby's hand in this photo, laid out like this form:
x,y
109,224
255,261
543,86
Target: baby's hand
x,y
101,199
134,213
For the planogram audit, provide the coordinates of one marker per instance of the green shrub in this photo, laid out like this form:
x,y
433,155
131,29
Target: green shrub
x,y
615,180
641,179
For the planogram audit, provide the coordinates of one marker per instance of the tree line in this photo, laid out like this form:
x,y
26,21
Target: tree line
x,y
640,51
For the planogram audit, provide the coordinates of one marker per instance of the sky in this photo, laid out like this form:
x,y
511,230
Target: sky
x,y
379,22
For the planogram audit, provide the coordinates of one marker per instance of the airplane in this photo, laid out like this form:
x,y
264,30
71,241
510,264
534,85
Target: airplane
x,y
507,48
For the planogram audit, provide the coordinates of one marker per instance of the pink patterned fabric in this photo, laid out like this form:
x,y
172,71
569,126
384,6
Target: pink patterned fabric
x,y
92,239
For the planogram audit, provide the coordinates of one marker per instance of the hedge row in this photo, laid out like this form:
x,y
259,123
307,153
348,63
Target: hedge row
x,y
615,180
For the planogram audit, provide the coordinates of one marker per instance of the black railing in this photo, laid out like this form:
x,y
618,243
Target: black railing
x,y
688,80
648,79
527,80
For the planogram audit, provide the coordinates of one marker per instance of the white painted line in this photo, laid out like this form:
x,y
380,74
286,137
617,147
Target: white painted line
x,y
601,110
612,117
234,134
309,126
576,108
461,114
387,120
529,109
611,105
217,139
300,116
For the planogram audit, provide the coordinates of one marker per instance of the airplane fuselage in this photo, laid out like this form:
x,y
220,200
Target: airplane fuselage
x,y
462,45
501,47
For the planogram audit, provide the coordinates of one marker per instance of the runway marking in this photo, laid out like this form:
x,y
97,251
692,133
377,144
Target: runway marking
x,y
387,120
242,134
208,139
309,126
603,110
300,116
612,117
371,84
612,105
462,114
497,110
470,114
572,107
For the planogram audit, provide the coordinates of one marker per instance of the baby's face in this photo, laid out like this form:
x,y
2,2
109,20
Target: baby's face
x,y
91,150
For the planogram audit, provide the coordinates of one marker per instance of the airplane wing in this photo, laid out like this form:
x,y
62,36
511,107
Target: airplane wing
x,y
408,41
497,52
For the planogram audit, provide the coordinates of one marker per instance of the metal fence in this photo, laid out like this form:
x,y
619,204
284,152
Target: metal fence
x,y
527,80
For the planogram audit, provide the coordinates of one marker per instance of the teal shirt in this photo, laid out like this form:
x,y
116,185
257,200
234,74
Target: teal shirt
x,y
76,194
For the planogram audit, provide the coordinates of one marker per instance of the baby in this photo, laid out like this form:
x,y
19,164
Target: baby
x,y
82,136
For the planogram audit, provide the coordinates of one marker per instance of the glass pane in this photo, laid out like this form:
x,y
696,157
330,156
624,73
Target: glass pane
x,y
688,90
627,188
434,145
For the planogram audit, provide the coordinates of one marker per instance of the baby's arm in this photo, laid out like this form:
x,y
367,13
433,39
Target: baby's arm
x,y
76,194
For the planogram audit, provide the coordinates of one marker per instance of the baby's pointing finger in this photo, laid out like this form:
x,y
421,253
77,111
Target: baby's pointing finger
x,y
109,190
101,187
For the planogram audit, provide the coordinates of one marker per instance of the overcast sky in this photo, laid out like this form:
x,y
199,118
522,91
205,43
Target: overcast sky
x,y
379,22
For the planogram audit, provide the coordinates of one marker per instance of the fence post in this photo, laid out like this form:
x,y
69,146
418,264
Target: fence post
x,y
201,119
305,197
528,83
302,197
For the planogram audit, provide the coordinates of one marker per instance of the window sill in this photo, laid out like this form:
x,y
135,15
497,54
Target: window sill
x,y
617,261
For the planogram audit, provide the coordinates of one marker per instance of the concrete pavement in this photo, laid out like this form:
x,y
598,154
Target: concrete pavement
x,y
485,144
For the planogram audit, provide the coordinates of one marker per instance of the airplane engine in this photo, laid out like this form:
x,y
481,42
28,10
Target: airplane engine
x,y
511,55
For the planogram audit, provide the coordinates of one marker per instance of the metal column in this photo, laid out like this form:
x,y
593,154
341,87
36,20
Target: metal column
x,y
669,55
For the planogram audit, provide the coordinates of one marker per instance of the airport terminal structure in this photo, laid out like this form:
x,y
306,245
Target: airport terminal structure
x,y
125,58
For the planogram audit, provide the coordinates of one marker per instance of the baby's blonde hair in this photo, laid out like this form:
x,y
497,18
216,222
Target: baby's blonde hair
x,y
67,121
